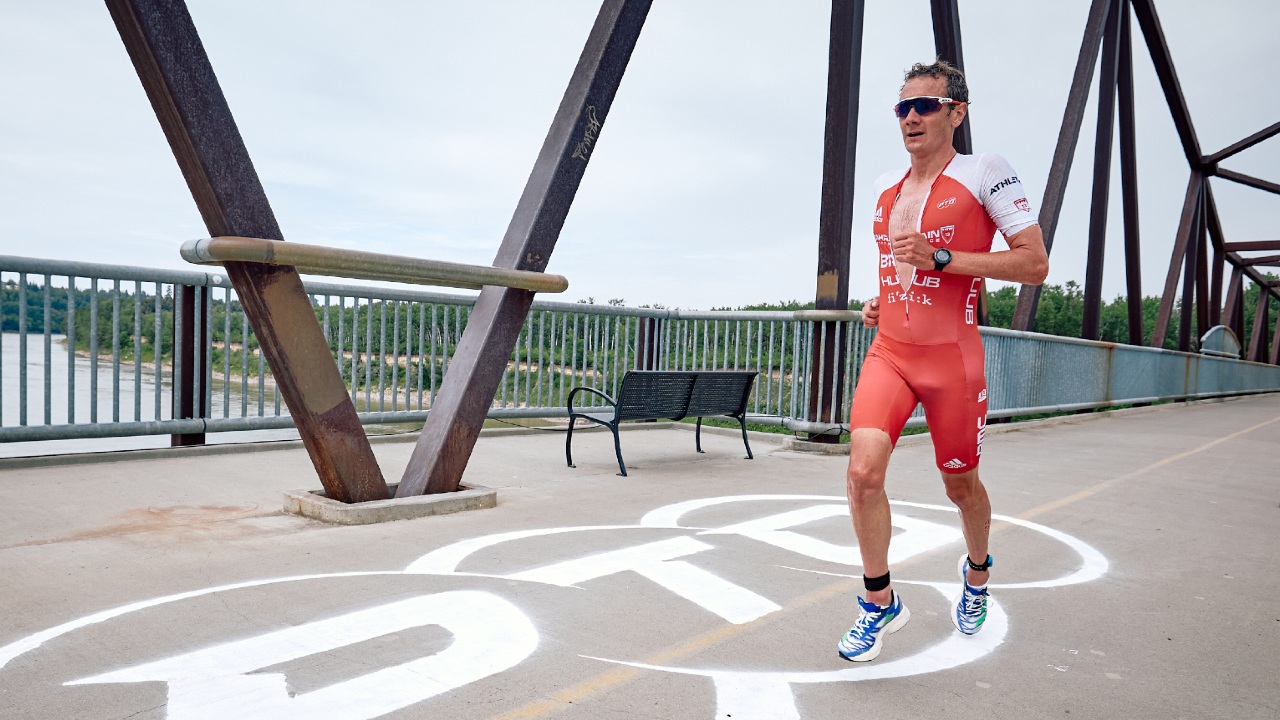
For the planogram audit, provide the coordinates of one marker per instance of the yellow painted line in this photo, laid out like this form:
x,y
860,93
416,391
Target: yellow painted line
x,y
1095,489
617,677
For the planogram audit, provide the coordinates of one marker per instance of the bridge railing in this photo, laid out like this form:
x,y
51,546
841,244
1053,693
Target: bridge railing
x,y
93,351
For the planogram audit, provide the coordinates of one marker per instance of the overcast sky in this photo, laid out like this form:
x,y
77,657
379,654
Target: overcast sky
x,y
411,127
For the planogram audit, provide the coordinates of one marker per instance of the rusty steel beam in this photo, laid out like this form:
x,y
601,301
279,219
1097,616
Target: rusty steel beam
x,y
1258,338
1055,190
1244,144
1129,181
1145,11
1213,225
1190,207
835,221
169,57
1249,180
1275,343
1189,275
947,43
1202,294
1251,245
1266,261
1232,310
1091,324
463,401
189,366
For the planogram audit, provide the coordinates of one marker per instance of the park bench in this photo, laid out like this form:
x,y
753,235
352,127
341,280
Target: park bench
x,y
667,395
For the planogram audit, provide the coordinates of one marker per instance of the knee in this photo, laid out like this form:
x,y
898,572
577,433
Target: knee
x,y
964,491
865,480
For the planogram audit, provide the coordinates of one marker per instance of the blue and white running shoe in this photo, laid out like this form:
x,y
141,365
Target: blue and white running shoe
x,y
970,610
862,642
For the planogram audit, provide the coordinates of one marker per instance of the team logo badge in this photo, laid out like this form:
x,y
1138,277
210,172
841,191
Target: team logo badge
x,y
948,232
1022,204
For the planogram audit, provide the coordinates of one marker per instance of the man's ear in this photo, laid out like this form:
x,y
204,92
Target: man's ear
x,y
958,114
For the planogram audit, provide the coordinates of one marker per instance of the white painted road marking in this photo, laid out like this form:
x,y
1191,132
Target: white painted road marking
x,y
490,635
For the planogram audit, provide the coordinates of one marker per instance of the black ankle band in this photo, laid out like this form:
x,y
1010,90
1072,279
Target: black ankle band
x,y
984,566
873,584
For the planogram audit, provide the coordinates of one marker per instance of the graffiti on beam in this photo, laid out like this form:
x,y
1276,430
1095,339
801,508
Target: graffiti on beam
x,y
241,675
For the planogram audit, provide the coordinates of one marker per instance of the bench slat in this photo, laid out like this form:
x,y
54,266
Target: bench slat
x,y
654,395
724,393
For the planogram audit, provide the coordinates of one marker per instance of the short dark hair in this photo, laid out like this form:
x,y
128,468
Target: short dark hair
x,y
957,88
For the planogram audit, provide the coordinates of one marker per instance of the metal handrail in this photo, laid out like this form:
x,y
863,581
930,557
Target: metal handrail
x,y
338,262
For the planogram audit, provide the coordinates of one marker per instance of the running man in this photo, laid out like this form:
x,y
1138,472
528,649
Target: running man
x,y
934,223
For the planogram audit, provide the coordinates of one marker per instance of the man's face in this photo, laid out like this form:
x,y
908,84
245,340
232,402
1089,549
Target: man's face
x,y
924,135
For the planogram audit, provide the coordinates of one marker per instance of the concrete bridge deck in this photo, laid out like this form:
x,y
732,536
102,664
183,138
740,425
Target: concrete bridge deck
x,y
1138,563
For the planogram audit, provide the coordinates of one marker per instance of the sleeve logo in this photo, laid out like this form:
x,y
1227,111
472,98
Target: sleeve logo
x,y
1022,204
1003,184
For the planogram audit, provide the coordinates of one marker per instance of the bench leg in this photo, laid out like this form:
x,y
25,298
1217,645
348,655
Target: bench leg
x,y
743,422
617,448
568,443
697,436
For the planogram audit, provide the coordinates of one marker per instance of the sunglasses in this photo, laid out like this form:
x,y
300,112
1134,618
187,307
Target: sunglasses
x,y
923,105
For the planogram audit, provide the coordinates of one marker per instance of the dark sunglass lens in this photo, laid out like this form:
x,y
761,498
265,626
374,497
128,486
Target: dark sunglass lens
x,y
922,106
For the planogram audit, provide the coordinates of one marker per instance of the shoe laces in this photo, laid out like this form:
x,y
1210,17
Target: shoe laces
x,y
974,601
863,624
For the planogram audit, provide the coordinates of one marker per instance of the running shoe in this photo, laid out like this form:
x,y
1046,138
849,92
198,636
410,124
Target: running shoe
x,y
971,607
862,642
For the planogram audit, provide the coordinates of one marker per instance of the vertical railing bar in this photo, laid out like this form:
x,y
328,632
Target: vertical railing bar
x,y
509,381
342,321
574,357
48,349
262,382
368,354
395,355
515,370
115,352
595,356
382,356
542,328
355,348
226,352
22,348
435,331
528,360
157,346
244,363
444,367
93,350
738,341
70,329
208,351
559,366
422,337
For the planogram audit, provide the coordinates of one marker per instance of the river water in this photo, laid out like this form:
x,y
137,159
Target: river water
x,y
129,409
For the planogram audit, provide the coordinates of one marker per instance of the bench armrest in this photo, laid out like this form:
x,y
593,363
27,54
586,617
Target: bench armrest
x,y
575,391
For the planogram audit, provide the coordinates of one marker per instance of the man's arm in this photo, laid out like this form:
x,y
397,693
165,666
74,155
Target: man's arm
x,y
1026,260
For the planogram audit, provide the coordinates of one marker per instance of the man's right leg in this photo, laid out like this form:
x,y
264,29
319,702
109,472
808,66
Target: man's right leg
x,y
869,451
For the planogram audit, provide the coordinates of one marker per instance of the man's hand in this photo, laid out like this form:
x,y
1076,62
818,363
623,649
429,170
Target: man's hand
x,y
871,313
910,248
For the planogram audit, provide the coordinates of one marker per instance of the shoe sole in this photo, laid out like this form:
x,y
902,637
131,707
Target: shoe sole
x,y
955,601
894,626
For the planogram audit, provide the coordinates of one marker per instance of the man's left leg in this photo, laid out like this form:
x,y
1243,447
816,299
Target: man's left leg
x,y
970,497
